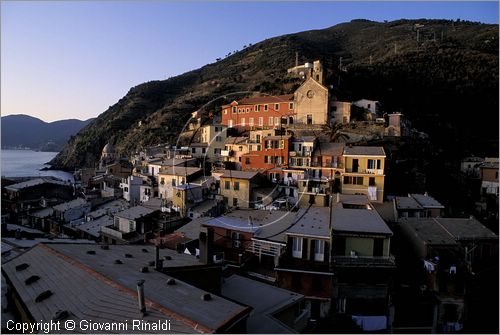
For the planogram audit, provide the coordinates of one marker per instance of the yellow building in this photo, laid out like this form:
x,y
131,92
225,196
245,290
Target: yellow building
x,y
236,187
364,172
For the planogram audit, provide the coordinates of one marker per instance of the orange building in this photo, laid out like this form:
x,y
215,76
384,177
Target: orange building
x,y
274,154
259,112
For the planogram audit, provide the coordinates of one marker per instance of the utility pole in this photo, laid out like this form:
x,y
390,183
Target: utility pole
x,y
296,58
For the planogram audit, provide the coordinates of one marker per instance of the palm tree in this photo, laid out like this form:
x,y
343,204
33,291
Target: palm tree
x,y
334,132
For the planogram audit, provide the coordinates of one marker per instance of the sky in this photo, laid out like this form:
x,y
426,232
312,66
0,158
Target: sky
x,y
62,59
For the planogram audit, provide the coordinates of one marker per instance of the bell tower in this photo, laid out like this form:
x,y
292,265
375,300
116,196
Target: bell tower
x,y
317,72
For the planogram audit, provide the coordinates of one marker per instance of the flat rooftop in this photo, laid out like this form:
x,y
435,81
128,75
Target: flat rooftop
x,y
427,201
34,182
407,203
134,212
354,220
70,204
312,221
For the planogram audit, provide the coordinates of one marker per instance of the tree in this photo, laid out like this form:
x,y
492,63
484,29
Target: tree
x,y
334,132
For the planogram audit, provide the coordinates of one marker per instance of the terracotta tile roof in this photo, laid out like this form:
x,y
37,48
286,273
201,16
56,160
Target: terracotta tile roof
x,y
264,100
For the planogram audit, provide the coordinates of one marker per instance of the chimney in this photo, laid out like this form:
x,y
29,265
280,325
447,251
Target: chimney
x,y
206,245
140,296
158,261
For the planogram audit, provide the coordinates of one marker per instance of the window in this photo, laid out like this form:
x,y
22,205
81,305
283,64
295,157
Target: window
x,y
227,184
319,250
257,108
374,163
276,121
193,150
266,159
162,181
126,189
240,148
235,202
225,111
270,122
309,119
239,110
368,106
248,110
371,181
258,147
173,182
247,160
236,185
261,121
218,138
235,236
230,125
276,107
250,122
203,150
257,138
290,105
266,107
234,109
131,226
243,121
297,247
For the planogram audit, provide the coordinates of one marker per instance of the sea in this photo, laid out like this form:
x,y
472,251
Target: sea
x,y
27,163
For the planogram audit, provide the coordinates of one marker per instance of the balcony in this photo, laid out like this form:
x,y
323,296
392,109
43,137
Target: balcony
x,y
288,262
328,165
378,172
364,261
226,153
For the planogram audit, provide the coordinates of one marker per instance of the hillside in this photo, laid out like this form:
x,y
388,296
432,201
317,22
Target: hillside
x,y
446,82
24,131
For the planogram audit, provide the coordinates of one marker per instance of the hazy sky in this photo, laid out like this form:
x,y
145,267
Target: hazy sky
x,y
63,60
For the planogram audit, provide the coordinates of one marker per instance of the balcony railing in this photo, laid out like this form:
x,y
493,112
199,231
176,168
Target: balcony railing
x,y
328,165
364,261
378,172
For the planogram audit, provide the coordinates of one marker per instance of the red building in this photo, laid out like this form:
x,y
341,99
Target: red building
x,y
274,154
259,112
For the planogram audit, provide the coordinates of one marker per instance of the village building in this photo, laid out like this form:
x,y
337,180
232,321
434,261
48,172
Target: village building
x,y
470,166
237,188
489,177
176,176
372,106
340,111
362,263
234,149
264,112
129,226
305,266
215,136
449,251
364,172
311,103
